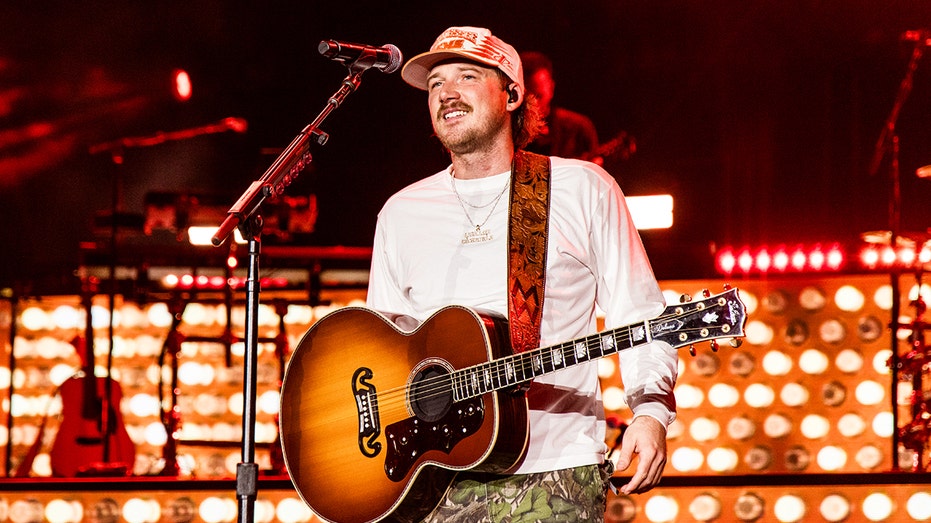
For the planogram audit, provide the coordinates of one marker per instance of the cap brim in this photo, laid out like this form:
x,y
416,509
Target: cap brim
x,y
417,69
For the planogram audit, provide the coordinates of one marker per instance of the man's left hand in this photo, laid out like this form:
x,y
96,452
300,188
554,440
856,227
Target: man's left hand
x,y
646,437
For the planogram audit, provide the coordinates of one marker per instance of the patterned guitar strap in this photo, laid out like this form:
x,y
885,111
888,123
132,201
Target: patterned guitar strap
x,y
529,216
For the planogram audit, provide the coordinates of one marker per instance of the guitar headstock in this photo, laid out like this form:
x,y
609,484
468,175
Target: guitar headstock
x,y
721,316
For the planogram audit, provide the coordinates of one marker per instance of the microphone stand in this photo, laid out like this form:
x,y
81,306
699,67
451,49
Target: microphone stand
x,y
243,215
889,140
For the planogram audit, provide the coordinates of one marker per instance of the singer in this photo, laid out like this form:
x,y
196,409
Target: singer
x,y
447,239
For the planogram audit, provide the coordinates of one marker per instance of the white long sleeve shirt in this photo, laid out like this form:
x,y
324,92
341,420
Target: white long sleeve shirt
x,y
420,263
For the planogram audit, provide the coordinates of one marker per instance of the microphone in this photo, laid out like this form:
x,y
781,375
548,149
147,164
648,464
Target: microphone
x,y
386,58
922,36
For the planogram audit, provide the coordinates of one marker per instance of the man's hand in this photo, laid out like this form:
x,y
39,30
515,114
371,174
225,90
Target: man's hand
x,y
646,437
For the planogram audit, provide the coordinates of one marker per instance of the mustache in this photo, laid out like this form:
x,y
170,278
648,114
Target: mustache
x,y
454,106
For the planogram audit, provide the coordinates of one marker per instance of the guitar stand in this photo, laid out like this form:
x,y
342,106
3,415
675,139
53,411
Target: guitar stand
x,y
172,419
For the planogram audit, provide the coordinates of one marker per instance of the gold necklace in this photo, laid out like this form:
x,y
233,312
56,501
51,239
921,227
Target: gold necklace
x,y
478,235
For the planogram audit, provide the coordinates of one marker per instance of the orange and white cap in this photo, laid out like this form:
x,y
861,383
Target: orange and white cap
x,y
472,43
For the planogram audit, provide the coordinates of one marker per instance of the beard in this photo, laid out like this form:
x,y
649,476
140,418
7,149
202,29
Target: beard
x,y
482,135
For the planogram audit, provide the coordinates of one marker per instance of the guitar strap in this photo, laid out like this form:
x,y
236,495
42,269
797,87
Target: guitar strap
x,y
529,218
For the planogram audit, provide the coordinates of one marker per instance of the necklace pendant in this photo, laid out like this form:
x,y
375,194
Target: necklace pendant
x,y
479,235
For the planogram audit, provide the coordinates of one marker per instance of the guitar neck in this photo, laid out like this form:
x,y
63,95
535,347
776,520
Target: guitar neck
x,y
516,369
678,325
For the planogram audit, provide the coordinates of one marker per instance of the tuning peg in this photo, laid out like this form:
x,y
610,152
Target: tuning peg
x,y
714,345
736,342
691,350
684,298
727,286
706,293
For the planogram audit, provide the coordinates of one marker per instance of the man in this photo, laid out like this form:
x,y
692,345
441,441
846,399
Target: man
x,y
444,240
567,133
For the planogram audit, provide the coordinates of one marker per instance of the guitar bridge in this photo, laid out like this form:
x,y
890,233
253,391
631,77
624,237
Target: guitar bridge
x,y
367,408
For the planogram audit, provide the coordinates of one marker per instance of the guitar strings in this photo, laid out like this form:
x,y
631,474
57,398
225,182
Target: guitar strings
x,y
442,385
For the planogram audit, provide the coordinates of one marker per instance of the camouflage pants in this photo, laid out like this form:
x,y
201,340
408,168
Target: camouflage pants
x,y
572,495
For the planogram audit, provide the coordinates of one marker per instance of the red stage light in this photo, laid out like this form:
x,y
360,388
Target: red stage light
x,y
182,87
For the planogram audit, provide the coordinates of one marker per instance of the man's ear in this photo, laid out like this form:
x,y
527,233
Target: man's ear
x,y
514,94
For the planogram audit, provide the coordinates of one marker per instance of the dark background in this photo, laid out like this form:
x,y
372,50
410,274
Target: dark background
x,y
759,117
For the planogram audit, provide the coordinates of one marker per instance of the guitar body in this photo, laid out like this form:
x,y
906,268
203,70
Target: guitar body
x,y
80,443
369,427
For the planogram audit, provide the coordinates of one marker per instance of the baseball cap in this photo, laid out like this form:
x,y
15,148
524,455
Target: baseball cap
x,y
472,43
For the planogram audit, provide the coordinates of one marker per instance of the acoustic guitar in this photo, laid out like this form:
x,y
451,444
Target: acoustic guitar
x,y
92,438
375,421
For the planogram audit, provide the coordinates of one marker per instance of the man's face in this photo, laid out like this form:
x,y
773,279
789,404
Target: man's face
x,y
468,105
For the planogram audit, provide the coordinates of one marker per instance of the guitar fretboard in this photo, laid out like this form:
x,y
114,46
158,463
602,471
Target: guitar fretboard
x,y
525,366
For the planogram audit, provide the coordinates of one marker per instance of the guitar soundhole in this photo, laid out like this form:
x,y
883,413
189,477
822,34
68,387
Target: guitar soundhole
x,y
431,393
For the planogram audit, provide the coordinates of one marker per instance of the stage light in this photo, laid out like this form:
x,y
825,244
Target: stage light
x,y
918,506
183,88
687,459
704,429
758,458
155,434
660,509
705,507
726,261
292,510
66,317
758,395
758,333
869,457
849,361
64,511
217,510
722,395
143,405
794,394
835,508
777,363
139,510
182,510
749,507
201,235
815,426
883,425
869,392
831,458
35,319
688,396
741,428
777,426
606,367
722,459
813,361
877,507
797,458
651,212
26,511
159,315
264,511
851,425
269,402
745,261
789,509
613,398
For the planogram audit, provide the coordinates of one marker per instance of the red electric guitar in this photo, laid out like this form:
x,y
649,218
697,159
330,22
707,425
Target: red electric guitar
x,y
92,438
375,421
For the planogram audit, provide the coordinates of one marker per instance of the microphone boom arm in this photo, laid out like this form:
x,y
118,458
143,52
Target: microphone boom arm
x,y
289,164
